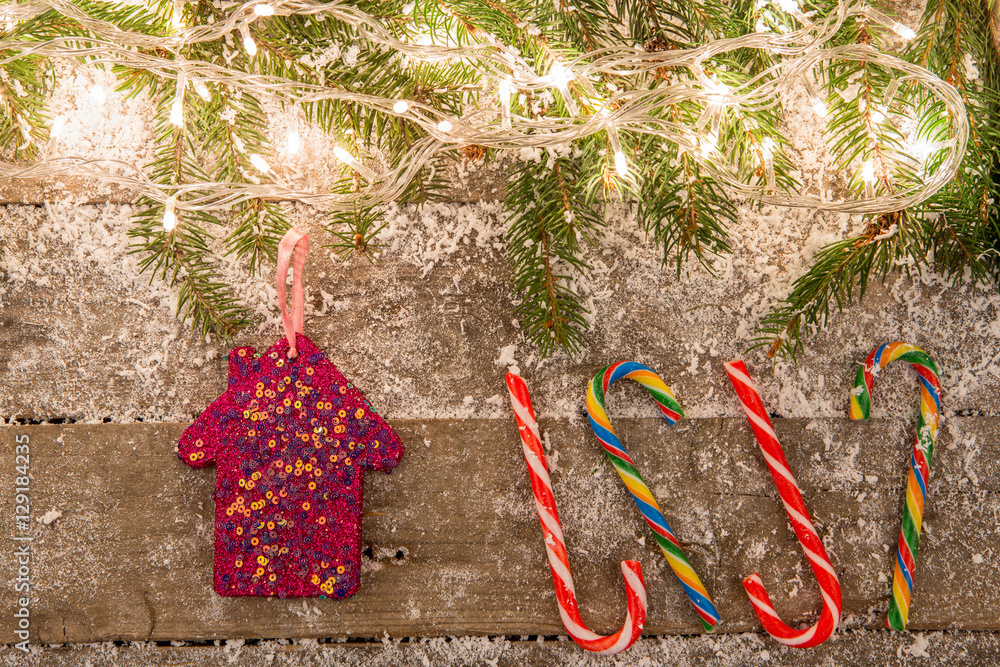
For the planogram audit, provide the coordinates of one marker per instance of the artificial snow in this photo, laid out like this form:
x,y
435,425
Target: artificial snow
x,y
49,517
434,334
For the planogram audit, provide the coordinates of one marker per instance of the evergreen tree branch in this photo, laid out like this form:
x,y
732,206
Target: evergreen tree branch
x,y
182,256
838,276
551,216
955,231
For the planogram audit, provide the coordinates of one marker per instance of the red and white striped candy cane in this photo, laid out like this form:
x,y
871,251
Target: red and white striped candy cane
x,y
791,496
555,545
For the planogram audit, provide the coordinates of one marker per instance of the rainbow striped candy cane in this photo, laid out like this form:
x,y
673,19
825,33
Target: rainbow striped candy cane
x,y
671,409
923,449
798,515
555,545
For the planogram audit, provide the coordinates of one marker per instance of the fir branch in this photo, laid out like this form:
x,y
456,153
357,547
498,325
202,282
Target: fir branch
x,y
681,210
839,275
955,231
555,201
550,218
24,86
355,232
259,226
182,256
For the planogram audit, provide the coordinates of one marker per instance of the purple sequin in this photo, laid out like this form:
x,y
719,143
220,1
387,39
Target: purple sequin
x,y
291,439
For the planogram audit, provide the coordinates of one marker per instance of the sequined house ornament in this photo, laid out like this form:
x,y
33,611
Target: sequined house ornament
x,y
291,439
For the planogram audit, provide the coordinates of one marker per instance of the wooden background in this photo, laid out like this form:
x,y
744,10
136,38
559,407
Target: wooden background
x,y
453,552
100,376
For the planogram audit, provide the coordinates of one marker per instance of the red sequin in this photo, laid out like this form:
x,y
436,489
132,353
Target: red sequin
x,y
291,440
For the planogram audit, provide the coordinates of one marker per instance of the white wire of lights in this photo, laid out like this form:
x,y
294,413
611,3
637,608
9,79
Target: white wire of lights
x,y
501,69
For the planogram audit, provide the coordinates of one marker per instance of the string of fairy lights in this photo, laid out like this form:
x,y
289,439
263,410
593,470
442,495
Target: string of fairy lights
x,y
503,73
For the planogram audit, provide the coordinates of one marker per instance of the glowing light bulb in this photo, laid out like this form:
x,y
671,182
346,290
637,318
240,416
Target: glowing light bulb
x,y
177,108
767,147
921,150
177,112
503,92
560,76
717,92
868,171
263,10
248,43
819,106
260,163
868,176
169,217
904,31
445,126
344,156
402,106
621,163
202,90
709,144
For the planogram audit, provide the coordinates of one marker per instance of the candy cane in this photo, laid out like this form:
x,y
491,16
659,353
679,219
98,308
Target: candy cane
x,y
920,462
643,497
791,496
555,545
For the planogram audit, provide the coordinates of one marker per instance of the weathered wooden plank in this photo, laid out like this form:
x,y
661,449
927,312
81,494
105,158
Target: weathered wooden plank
x,y
37,191
854,647
424,337
455,545
467,182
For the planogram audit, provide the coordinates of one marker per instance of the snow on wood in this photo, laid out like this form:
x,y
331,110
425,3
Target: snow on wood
x,y
453,545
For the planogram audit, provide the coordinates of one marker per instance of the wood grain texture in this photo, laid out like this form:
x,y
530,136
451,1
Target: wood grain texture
x,y
86,345
956,649
466,182
422,331
37,191
454,546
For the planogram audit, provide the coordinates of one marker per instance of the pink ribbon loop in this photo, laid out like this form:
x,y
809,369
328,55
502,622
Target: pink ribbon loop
x,y
292,322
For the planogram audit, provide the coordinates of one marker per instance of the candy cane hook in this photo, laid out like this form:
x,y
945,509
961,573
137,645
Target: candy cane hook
x,y
791,497
920,461
555,545
643,497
